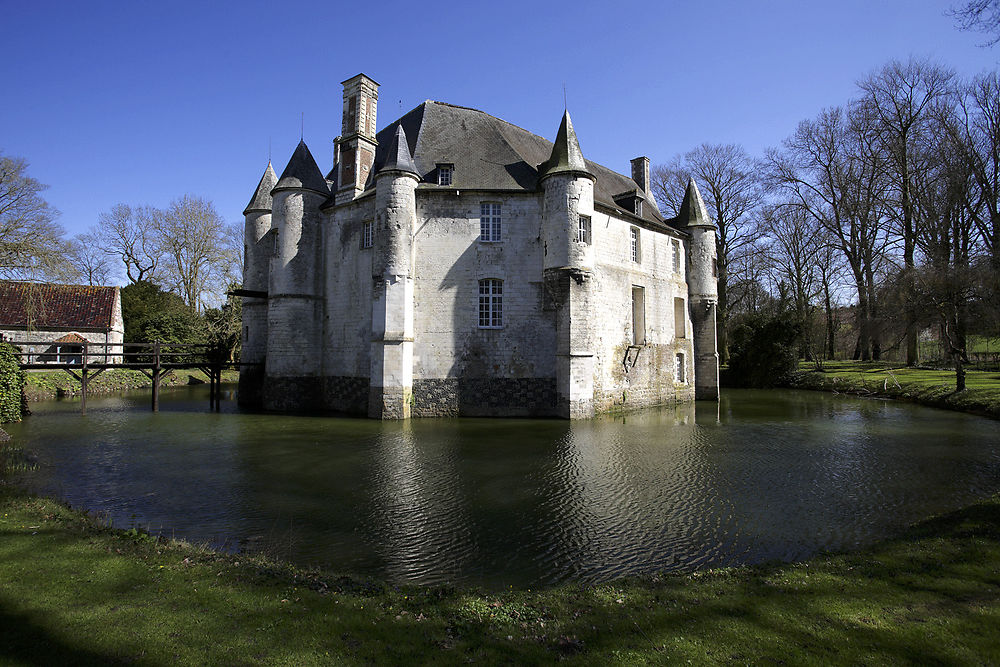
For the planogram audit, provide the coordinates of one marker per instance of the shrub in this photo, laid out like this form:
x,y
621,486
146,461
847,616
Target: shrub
x,y
763,350
12,400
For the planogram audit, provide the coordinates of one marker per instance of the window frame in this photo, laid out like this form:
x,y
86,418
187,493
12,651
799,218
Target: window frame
x,y
491,222
675,247
635,244
445,170
490,303
680,368
584,230
367,234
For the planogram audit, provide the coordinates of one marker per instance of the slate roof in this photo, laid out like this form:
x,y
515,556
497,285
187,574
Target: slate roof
x,y
488,154
302,172
693,211
261,200
398,154
56,306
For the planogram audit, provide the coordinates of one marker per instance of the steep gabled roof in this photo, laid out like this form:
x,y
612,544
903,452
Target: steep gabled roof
x,y
56,306
487,154
261,200
302,172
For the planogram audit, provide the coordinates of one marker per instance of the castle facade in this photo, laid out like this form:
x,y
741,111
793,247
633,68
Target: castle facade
x,y
455,264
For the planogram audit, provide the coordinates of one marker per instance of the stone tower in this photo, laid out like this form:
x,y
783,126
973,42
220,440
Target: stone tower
x,y
294,314
391,379
356,144
568,196
256,260
703,294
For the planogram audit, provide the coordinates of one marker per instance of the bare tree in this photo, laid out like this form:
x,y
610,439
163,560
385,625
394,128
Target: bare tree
x,y
91,262
974,129
732,192
902,98
129,233
831,168
981,16
32,244
796,241
197,249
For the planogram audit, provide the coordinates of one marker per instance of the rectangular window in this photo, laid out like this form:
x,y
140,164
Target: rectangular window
x,y
490,303
638,207
583,230
634,232
638,315
489,221
675,245
715,268
444,174
367,234
680,330
679,368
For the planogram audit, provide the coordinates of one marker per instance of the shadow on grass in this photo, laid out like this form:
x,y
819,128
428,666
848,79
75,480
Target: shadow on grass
x,y
23,640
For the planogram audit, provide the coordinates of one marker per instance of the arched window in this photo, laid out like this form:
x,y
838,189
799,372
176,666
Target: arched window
x,y
490,303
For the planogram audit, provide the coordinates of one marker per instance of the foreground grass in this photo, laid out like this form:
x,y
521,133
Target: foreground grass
x,y
43,385
77,593
921,385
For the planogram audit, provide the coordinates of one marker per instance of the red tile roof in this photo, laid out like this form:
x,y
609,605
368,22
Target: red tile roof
x,y
71,338
56,306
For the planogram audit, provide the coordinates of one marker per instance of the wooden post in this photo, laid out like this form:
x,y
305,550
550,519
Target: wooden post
x,y
83,382
156,376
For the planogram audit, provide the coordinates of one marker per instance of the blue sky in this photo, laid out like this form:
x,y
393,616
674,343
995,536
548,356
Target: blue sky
x,y
141,102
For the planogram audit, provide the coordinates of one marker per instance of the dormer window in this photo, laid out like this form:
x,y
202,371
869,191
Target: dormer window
x,y
638,206
444,173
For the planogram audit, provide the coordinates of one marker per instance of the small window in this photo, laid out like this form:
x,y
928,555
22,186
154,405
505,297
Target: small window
x,y
583,230
638,206
444,174
676,247
490,303
367,234
634,232
715,268
679,369
489,222
680,328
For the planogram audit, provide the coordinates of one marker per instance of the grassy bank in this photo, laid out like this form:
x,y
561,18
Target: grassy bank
x,y
77,593
921,385
43,385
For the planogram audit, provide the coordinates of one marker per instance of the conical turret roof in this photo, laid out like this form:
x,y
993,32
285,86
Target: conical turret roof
x,y
261,200
398,156
302,172
693,212
566,154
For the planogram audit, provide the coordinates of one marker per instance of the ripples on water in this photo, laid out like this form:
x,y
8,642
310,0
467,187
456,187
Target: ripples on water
x,y
763,475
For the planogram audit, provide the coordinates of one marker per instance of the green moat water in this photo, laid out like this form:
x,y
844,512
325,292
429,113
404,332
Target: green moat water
x,y
760,476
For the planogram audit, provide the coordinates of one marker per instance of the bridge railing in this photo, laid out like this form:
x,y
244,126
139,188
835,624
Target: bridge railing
x,y
85,360
38,355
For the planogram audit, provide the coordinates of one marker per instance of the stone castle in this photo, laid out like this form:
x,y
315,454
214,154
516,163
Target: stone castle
x,y
455,264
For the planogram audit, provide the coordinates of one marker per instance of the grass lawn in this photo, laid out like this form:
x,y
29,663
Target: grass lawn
x,y
927,386
76,593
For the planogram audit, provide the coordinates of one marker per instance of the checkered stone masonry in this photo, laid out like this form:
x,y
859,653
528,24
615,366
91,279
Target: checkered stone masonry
x,y
494,397
346,394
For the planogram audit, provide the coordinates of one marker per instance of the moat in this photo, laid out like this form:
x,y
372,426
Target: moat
x,y
499,502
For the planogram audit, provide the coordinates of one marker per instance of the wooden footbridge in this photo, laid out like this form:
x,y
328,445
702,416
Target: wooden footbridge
x,y
85,360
